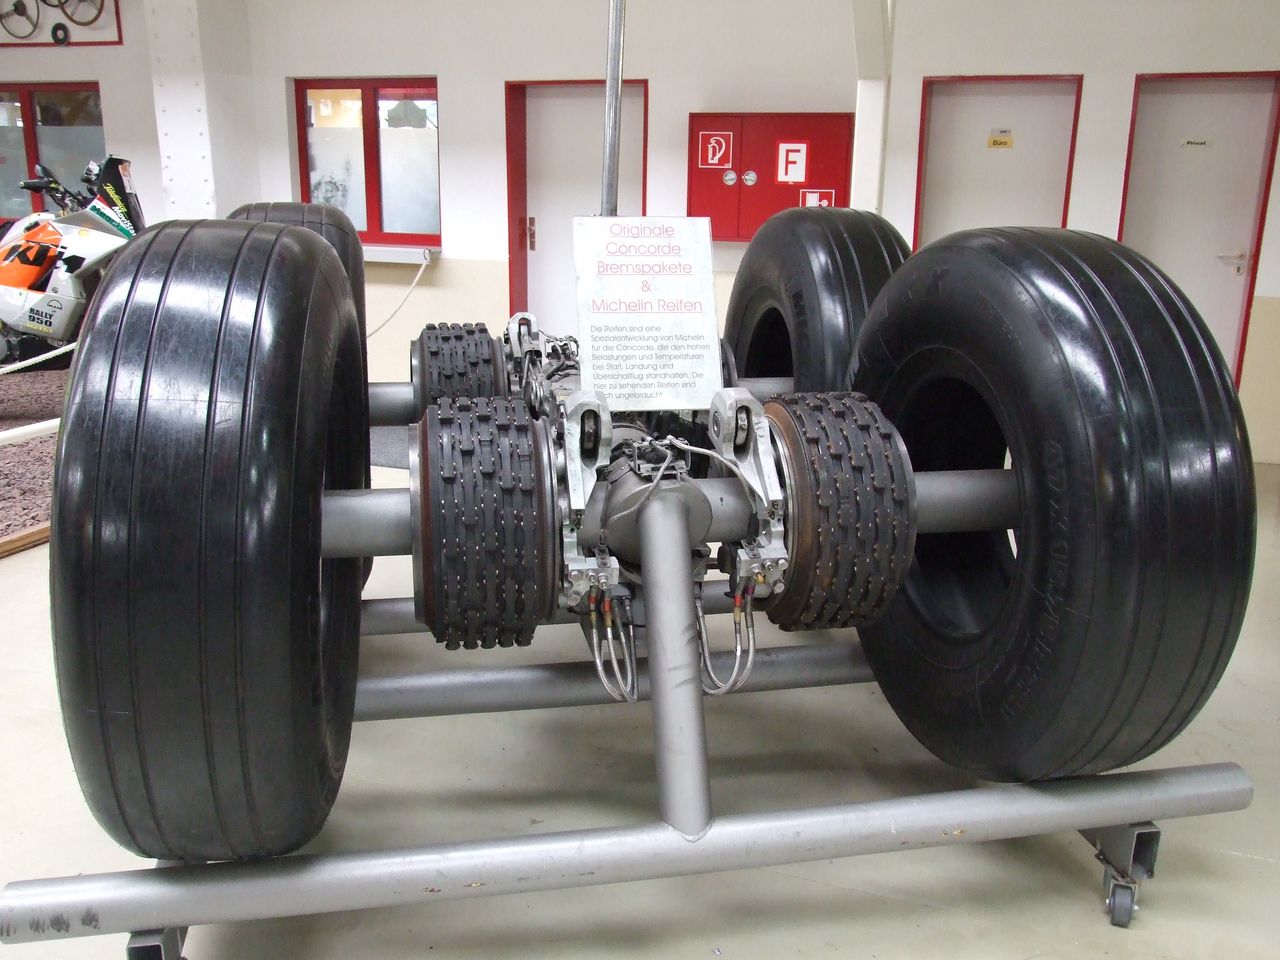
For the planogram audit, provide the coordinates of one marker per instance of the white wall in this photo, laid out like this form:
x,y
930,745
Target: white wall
x,y
726,55
230,90
744,55
123,74
1109,42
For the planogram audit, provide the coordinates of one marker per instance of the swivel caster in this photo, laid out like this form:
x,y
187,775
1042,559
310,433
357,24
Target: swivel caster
x,y
1121,898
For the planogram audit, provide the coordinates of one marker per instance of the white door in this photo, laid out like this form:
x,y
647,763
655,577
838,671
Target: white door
x,y
1200,148
565,137
997,154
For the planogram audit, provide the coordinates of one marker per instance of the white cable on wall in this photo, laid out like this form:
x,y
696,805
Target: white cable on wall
x,y
426,262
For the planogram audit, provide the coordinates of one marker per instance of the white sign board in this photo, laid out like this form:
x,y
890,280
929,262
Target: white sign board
x,y
646,311
793,162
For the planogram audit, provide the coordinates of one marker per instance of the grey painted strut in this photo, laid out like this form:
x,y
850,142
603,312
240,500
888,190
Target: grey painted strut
x,y
300,885
395,615
952,501
372,523
612,110
366,523
498,689
392,405
675,672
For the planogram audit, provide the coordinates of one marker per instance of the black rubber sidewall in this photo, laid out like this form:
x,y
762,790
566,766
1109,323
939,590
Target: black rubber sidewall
x,y
1117,619
207,713
818,270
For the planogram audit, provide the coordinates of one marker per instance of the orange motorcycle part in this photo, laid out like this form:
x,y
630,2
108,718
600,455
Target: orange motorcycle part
x,y
27,261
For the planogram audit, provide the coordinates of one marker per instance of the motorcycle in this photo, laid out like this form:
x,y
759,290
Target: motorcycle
x,y
51,263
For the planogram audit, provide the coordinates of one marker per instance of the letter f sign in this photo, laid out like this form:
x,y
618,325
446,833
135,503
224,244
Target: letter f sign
x,y
792,162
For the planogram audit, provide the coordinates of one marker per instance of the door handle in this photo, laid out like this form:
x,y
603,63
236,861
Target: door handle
x,y
749,178
1238,260
531,232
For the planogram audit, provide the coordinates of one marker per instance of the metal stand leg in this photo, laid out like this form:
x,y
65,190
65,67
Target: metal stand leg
x,y
165,944
156,945
679,729
1128,856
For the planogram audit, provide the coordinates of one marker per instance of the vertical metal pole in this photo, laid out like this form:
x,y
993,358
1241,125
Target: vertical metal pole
x,y
679,730
612,109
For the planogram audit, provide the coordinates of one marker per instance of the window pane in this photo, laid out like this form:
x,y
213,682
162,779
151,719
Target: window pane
x,y
69,132
409,149
13,159
335,152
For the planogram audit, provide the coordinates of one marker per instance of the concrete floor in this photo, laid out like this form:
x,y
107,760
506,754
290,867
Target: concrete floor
x,y
430,781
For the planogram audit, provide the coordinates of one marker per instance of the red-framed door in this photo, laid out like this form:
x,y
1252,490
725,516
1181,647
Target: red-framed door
x,y
931,85
1208,214
26,93
518,176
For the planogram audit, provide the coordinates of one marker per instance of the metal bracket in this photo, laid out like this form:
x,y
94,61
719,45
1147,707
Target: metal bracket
x,y
583,456
584,453
1128,856
156,944
740,434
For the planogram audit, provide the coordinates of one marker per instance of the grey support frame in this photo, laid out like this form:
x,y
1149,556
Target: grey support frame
x,y
686,838
1114,811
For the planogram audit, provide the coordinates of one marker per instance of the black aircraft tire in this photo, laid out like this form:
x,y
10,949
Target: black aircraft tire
x,y
337,229
804,286
206,655
1102,637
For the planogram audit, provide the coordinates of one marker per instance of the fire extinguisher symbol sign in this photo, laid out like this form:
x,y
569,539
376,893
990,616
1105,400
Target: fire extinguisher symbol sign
x,y
715,149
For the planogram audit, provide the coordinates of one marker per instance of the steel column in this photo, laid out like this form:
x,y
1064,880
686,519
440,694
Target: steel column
x,y
366,523
176,897
612,109
442,693
392,405
675,672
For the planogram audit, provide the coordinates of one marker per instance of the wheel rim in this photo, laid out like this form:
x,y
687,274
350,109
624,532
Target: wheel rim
x,y
22,19
82,12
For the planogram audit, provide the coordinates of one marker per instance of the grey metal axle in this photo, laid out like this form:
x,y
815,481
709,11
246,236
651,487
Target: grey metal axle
x,y
375,523
366,523
392,405
395,615
452,692
172,897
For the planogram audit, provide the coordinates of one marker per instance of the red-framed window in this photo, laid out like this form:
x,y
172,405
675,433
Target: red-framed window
x,y
56,124
371,146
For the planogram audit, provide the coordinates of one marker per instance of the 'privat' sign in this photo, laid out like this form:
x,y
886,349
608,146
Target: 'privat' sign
x,y
793,162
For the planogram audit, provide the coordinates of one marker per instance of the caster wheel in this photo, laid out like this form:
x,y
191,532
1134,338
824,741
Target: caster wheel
x,y
1121,904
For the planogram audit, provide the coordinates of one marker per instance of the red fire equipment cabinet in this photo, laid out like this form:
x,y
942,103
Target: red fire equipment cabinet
x,y
745,167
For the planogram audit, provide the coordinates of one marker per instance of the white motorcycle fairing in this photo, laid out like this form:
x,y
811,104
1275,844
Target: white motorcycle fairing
x,y
55,312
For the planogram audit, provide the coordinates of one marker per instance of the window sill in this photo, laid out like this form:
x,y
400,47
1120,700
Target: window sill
x,y
387,253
